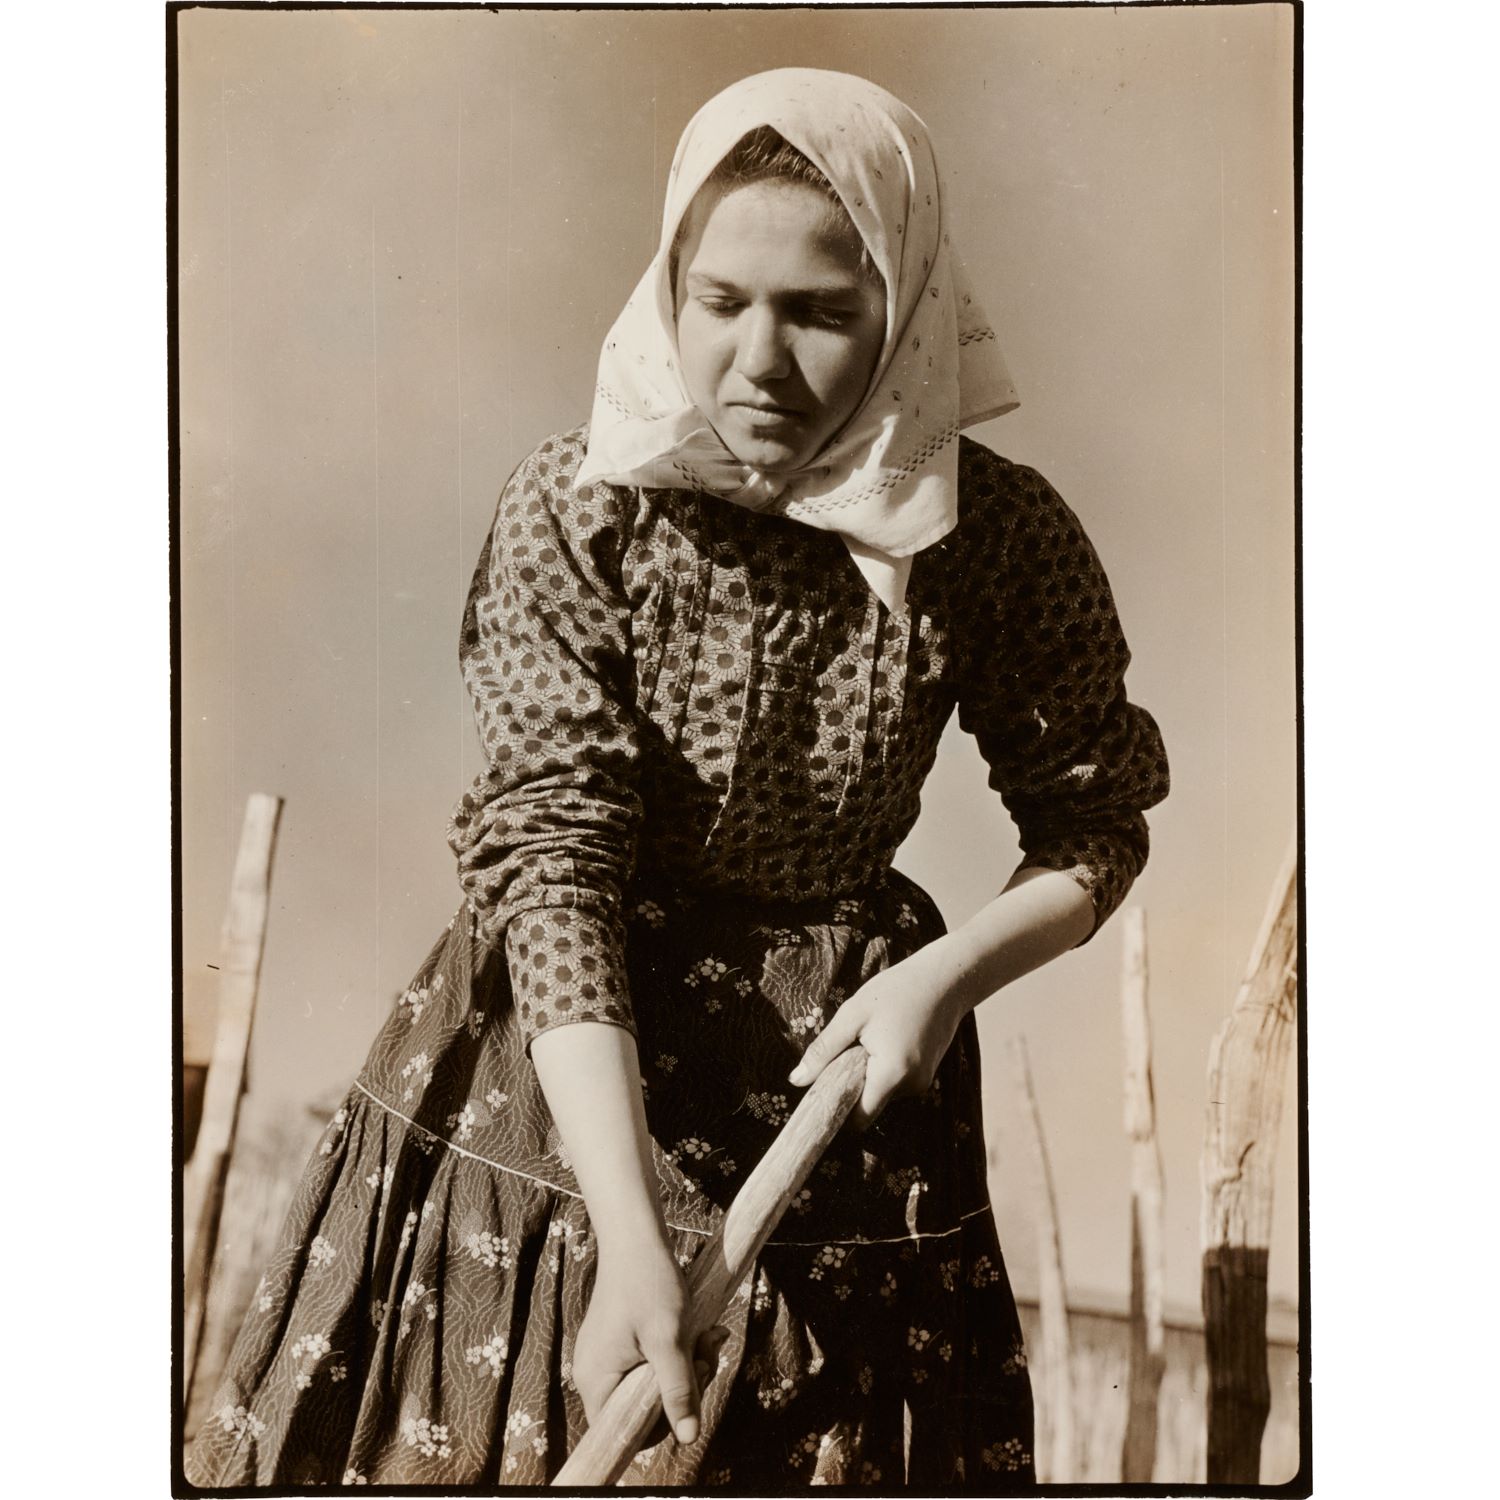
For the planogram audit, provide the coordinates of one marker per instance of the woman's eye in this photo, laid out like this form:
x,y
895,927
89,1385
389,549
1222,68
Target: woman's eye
x,y
825,317
720,307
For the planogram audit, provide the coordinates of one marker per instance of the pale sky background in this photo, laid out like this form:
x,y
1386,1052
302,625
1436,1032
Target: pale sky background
x,y
1399,391
403,236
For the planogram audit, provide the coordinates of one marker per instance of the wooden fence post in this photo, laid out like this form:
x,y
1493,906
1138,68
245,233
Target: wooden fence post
x,y
1246,1085
243,940
1052,1295
1147,1339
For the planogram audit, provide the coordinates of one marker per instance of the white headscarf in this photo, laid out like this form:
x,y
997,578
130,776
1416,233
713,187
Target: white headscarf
x,y
887,481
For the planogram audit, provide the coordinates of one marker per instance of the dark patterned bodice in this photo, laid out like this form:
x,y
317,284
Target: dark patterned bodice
x,y
673,690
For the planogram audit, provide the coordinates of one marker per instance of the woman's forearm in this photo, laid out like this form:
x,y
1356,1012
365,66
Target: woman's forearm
x,y
906,1016
1039,916
591,1077
639,1308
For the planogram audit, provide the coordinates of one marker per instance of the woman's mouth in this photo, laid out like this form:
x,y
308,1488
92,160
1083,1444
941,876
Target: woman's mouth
x,y
758,412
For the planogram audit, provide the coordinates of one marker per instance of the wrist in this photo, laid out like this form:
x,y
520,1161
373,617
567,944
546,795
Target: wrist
x,y
626,1236
954,961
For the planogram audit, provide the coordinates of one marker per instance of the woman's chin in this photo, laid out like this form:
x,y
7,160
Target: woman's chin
x,y
767,452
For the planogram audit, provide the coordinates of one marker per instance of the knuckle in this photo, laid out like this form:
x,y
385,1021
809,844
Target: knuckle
x,y
676,1396
664,1340
658,1343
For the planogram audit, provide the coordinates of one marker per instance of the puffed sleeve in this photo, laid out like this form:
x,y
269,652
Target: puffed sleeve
x,y
1042,684
546,836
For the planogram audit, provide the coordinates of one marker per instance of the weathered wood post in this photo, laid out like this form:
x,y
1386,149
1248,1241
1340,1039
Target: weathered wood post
x,y
1147,1339
1246,1085
1052,1294
243,941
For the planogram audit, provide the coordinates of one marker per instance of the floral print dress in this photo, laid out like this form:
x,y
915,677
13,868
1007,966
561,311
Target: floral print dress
x,y
705,741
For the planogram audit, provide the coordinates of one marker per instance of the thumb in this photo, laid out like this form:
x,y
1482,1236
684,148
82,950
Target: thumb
x,y
840,1034
679,1389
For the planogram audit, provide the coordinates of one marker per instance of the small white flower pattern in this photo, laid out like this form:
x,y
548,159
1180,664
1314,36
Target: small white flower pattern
x,y
651,914
312,1345
240,1422
772,1108
830,1258
335,1129
419,1071
983,1273
428,1437
1008,1456
523,1429
492,1353
706,971
811,1447
490,1248
425,1229
776,1393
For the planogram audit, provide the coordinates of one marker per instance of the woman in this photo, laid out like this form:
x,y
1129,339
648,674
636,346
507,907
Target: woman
x,y
712,643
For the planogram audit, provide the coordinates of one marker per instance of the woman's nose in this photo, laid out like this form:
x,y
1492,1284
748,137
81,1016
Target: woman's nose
x,y
762,352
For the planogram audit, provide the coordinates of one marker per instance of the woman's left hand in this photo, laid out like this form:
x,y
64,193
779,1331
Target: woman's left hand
x,y
904,1018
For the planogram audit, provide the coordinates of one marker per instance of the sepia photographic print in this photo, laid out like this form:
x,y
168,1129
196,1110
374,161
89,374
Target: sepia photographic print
x,y
737,748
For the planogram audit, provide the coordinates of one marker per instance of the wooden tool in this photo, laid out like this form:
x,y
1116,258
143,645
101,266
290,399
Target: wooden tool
x,y
632,1410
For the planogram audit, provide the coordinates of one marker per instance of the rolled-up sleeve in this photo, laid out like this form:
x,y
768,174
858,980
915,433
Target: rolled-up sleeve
x,y
1043,689
546,836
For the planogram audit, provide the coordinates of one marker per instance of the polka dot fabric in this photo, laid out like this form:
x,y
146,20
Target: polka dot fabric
x,y
705,740
714,697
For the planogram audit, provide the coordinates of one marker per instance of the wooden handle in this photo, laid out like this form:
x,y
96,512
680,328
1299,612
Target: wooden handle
x,y
607,1448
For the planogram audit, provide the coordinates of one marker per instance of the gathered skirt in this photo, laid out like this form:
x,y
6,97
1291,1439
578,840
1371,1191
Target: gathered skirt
x,y
416,1322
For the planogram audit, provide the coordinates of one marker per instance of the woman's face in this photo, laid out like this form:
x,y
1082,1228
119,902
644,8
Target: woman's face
x,y
777,326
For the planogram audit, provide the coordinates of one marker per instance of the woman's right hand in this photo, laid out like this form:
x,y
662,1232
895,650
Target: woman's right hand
x,y
639,1312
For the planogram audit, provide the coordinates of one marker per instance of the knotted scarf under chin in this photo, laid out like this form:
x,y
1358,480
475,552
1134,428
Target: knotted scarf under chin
x,y
887,482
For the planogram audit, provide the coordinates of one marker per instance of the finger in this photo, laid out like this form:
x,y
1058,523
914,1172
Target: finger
x,y
710,1341
882,1084
679,1390
840,1034
594,1389
706,1355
